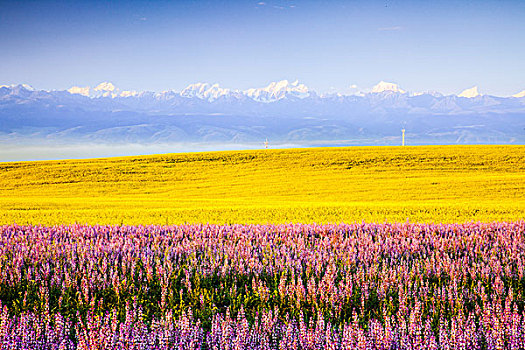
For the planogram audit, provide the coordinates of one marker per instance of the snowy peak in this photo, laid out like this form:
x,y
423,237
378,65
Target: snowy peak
x,y
470,93
28,87
127,93
204,91
105,86
430,93
519,94
19,86
278,90
105,89
84,91
383,86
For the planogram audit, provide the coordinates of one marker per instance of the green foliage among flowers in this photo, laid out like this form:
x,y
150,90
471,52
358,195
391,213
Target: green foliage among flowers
x,y
364,286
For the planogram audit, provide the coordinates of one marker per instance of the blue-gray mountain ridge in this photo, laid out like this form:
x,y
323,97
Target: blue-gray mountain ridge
x,y
283,112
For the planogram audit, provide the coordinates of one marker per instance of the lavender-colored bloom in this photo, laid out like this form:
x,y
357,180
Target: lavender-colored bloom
x,y
359,286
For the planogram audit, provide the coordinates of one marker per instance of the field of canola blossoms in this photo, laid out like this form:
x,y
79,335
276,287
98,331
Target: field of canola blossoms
x,y
451,184
358,286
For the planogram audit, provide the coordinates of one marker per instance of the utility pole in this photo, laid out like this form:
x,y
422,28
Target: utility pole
x,y
402,137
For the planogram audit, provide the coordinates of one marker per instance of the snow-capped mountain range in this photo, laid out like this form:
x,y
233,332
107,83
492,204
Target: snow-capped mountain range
x,y
274,91
204,91
282,111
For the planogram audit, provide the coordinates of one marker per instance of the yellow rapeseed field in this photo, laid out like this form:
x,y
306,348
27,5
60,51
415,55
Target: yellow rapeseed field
x,y
372,184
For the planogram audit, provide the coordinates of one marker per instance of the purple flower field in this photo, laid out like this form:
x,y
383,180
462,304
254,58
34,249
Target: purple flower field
x,y
359,286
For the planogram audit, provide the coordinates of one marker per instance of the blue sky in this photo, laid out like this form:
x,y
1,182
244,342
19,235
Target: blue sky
x,y
422,45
